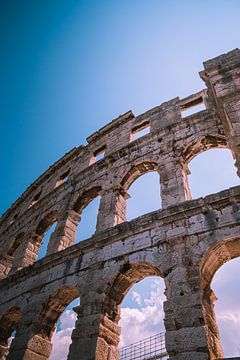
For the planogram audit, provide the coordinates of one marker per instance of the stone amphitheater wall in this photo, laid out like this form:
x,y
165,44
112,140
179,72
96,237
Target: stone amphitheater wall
x,y
185,242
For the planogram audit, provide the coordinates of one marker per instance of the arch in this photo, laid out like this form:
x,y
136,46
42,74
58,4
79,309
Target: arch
x,y
13,249
219,254
61,338
54,307
202,144
83,200
203,172
142,311
29,248
85,197
8,323
6,260
144,195
44,317
136,171
134,206
212,171
215,257
37,238
128,275
46,222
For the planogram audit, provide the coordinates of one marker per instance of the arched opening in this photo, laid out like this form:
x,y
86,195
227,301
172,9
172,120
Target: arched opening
x,y
144,195
45,241
13,249
6,260
87,206
225,285
139,289
87,226
44,231
27,250
8,326
142,326
58,319
61,339
142,183
212,171
39,332
213,260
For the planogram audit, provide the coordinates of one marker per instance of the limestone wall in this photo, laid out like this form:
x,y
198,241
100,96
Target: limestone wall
x,y
185,242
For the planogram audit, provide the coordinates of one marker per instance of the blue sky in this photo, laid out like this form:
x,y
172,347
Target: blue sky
x,y
69,67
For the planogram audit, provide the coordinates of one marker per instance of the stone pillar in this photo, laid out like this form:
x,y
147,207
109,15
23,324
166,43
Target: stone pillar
x,y
65,232
30,343
174,181
3,348
215,347
184,322
221,76
95,336
5,265
27,252
112,209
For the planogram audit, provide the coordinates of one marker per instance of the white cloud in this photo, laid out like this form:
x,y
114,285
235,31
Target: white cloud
x,y
146,318
137,297
62,339
229,327
138,324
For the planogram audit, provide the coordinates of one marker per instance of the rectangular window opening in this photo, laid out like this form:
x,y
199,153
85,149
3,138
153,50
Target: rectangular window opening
x,y
140,131
63,178
13,249
192,107
100,153
36,198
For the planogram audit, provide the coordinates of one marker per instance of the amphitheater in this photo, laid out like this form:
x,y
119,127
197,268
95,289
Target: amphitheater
x,y
185,242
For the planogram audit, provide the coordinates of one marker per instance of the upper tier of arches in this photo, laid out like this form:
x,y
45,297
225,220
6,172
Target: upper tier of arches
x,y
164,140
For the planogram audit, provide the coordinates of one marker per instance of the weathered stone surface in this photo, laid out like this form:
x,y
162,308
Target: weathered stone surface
x,y
185,242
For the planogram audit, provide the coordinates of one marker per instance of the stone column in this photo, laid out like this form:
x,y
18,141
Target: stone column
x,y
30,343
3,349
65,232
4,344
174,181
221,76
184,322
112,209
5,265
215,347
95,336
27,252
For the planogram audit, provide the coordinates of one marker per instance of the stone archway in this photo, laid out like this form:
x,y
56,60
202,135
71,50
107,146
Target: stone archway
x,y
8,323
128,275
217,256
7,259
199,145
136,171
100,340
38,323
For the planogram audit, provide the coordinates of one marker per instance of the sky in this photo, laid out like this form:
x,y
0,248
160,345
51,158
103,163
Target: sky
x,y
70,67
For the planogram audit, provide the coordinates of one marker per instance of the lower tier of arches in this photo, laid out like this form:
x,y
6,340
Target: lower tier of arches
x,y
185,246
